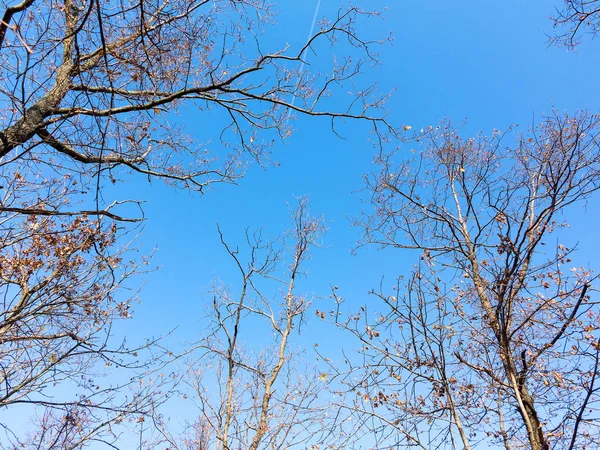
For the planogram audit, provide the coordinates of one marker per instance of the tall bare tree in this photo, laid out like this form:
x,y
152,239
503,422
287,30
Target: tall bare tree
x,y
494,339
247,376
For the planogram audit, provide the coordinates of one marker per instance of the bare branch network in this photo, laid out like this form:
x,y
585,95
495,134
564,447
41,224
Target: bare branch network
x,y
95,85
92,93
574,20
494,338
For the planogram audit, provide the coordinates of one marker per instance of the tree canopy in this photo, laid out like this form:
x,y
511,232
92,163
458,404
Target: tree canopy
x,y
488,335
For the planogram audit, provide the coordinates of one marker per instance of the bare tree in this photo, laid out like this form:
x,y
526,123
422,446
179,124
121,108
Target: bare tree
x,y
90,93
494,338
88,86
60,281
575,19
245,375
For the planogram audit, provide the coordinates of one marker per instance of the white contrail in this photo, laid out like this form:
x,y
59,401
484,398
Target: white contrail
x,y
303,60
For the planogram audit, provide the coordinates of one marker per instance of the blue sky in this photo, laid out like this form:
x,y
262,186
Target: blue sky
x,y
486,63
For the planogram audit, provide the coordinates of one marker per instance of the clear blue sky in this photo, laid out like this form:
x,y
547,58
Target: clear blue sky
x,y
487,62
